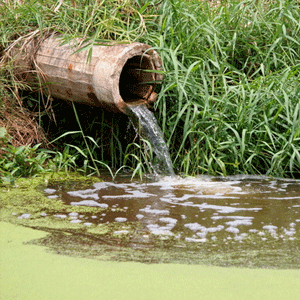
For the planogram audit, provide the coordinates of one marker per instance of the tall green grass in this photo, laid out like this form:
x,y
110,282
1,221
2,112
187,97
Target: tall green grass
x,y
229,102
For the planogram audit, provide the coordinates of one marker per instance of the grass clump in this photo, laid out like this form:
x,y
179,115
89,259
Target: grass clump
x,y
229,102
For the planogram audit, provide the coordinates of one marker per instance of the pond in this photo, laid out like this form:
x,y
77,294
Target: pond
x,y
183,230
245,221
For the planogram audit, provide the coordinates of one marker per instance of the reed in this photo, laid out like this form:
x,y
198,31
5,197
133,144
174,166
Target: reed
x,y
230,100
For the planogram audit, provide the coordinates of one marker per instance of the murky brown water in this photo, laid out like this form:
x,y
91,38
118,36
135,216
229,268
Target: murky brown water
x,y
197,210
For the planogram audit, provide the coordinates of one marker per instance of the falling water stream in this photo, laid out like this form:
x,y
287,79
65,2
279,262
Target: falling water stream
x,y
146,125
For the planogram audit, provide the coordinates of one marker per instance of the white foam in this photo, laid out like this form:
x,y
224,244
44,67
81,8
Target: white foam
x,y
193,240
139,216
60,216
75,221
100,185
168,220
121,232
285,198
24,216
194,226
232,229
89,203
85,194
270,227
201,234
155,211
235,223
73,214
159,230
119,219
49,191
212,229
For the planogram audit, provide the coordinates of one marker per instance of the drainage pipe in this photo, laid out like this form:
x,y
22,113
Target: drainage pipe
x,y
114,76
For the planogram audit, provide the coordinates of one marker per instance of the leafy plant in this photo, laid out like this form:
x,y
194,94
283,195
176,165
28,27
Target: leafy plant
x,y
22,161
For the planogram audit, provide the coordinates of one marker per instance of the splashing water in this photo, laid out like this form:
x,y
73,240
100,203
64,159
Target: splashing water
x,y
146,125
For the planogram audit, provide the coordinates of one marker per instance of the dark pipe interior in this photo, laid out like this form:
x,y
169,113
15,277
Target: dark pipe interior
x,y
133,80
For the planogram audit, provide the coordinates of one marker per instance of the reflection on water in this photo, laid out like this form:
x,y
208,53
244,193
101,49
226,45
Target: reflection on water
x,y
196,210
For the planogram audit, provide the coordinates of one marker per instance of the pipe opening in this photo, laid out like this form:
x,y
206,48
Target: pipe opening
x,y
133,80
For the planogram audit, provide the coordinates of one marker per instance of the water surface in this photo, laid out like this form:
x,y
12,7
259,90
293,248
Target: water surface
x,y
243,220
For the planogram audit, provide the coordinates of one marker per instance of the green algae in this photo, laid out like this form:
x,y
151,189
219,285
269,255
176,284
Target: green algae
x,y
27,198
29,272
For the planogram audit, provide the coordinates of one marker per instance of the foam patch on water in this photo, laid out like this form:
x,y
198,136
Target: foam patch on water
x,y
154,211
85,194
194,240
159,230
119,219
168,220
232,229
76,221
60,216
121,232
246,221
24,216
194,226
212,229
89,203
270,227
49,191
139,216
73,214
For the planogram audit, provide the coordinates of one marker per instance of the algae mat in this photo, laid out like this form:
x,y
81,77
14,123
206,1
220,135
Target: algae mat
x,y
30,272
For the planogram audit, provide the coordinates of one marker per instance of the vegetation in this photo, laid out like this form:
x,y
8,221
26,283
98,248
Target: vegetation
x,y
229,102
